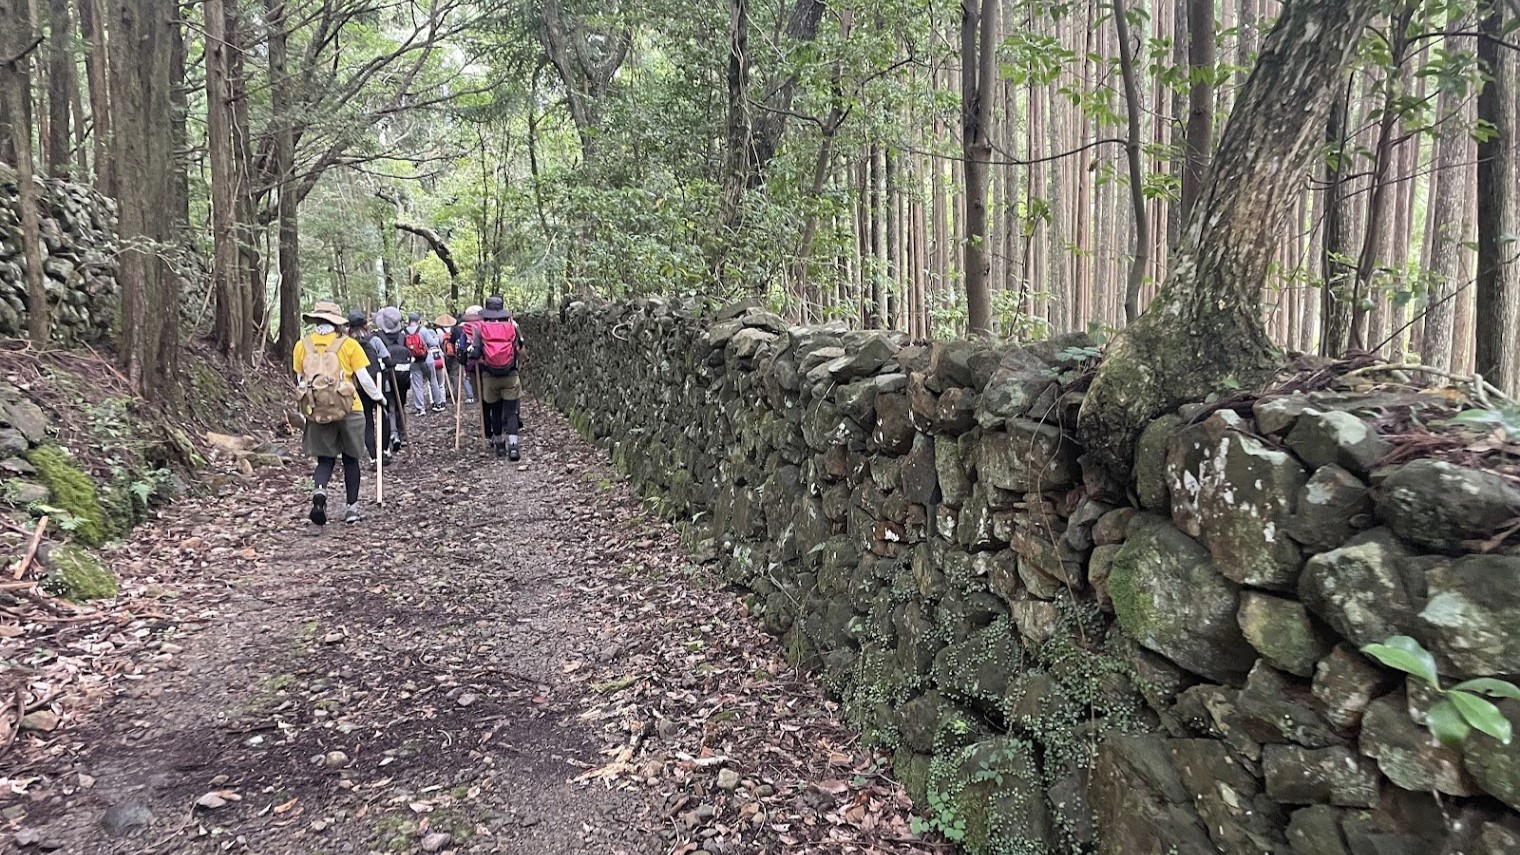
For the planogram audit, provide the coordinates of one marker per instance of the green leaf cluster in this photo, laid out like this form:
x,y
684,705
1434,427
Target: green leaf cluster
x,y
1459,710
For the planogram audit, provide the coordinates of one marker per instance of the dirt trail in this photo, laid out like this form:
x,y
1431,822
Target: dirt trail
x,y
504,658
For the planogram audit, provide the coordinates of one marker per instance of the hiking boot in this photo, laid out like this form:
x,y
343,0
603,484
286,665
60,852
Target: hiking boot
x,y
501,449
512,453
437,408
318,515
419,412
351,514
469,400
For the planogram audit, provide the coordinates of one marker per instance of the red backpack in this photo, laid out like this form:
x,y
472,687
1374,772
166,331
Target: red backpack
x,y
416,345
498,345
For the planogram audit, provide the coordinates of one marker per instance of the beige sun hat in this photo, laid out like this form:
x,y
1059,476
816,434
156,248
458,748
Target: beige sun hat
x,y
326,312
444,320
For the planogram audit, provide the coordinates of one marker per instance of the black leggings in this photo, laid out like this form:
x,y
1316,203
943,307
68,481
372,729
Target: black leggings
x,y
370,406
400,391
325,466
501,418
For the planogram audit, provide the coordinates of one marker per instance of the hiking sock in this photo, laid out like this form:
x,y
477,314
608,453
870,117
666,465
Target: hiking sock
x,y
318,515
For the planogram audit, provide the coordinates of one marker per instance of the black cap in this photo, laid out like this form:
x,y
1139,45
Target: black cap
x,y
358,318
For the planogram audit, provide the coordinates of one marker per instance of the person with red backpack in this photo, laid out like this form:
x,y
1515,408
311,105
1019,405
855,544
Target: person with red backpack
x,y
427,389
497,344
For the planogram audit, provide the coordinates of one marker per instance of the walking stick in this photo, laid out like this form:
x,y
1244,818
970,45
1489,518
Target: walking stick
x,y
379,453
459,407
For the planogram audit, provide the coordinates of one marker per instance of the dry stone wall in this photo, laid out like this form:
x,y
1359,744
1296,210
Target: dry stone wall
x,y
78,229
1056,663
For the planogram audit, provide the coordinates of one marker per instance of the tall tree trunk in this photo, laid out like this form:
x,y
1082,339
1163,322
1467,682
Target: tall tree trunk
x,y
141,34
978,83
97,68
1141,230
1447,222
1498,292
16,50
60,86
181,131
1335,331
1200,125
284,170
227,329
1203,334
1384,156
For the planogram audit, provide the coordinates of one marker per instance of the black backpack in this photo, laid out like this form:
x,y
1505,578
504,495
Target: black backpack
x,y
395,343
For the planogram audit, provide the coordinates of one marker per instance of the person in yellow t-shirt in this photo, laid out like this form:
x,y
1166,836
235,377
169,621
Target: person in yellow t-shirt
x,y
345,439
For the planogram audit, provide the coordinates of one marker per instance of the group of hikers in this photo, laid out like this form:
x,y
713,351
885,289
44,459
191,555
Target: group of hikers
x,y
358,379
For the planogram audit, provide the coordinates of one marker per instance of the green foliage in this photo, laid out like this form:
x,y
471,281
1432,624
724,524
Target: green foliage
x,y
1460,710
1503,418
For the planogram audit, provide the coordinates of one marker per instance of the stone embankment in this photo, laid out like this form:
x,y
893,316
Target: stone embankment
x,y
1059,663
78,228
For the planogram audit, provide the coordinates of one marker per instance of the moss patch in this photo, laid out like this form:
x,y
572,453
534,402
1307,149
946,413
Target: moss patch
x,y
72,490
78,577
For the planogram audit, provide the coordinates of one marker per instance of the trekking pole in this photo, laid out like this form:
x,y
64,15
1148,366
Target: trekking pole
x,y
379,453
398,407
459,407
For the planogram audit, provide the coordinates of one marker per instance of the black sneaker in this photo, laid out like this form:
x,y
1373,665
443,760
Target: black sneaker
x,y
437,408
512,453
501,449
318,515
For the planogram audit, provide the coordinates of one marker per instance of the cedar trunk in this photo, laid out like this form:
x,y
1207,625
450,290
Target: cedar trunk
x,y
16,51
1498,297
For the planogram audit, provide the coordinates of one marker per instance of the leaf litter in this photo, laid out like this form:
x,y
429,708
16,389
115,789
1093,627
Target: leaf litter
x,y
501,659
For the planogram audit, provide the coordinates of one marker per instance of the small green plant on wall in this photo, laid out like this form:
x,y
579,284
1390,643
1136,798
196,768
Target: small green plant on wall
x,y
1460,709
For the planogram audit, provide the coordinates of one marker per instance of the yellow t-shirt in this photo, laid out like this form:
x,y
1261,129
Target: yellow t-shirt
x,y
351,356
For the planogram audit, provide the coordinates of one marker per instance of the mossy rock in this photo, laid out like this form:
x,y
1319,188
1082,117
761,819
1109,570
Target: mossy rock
x,y
77,576
72,490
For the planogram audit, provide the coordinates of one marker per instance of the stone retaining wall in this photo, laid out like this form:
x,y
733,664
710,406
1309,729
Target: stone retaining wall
x,y
79,257
1059,664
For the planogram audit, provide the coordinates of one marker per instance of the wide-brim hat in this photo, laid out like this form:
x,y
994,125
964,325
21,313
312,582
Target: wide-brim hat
x,y
495,310
326,312
389,320
444,320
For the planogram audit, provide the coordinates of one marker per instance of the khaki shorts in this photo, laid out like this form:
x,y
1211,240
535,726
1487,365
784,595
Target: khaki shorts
x,y
493,389
345,438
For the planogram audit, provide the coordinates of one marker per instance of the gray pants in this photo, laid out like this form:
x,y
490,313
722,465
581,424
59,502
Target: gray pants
x,y
425,382
455,369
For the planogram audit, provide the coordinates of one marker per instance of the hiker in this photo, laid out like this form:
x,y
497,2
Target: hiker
x,y
395,369
459,383
328,364
498,346
359,330
420,343
464,335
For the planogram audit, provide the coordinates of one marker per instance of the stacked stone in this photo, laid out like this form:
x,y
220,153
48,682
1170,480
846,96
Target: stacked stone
x,y
78,229
1060,664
